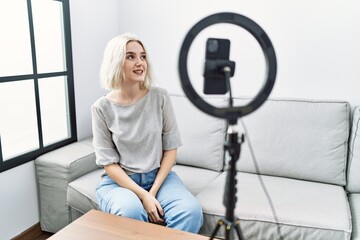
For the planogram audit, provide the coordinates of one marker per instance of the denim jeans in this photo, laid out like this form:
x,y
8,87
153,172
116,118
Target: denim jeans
x,y
181,209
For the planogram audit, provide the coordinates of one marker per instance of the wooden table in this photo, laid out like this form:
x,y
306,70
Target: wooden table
x,y
99,225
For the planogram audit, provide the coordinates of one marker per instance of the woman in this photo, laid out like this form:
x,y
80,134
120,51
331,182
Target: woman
x,y
135,139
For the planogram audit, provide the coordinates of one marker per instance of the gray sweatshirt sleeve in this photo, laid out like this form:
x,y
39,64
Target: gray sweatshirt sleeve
x,y
105,149
170,136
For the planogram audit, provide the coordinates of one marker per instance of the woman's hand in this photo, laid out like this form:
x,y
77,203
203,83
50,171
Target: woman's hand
x,y
150,203
153,208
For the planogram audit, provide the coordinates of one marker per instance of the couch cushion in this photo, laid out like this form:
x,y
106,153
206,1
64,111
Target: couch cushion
x,y
355,211
353,184
195,179
304,210
298,139
81,192
202,135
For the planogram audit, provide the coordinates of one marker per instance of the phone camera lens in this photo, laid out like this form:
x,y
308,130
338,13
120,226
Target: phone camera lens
x,y
213,45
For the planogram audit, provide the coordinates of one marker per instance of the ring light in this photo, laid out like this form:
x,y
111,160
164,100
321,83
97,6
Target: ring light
x,y
229,113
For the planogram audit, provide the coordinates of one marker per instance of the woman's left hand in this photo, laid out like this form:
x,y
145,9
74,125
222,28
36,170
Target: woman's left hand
x,y
153,208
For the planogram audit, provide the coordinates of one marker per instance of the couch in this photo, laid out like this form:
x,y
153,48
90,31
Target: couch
x,y
298,175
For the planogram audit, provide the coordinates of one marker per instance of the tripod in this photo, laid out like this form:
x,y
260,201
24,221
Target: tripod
x,y
233,146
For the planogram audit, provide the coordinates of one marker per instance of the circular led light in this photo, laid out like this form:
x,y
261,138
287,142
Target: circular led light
x,y
229,113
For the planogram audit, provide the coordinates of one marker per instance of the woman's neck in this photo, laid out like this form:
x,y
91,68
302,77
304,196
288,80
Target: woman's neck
x,y
127,95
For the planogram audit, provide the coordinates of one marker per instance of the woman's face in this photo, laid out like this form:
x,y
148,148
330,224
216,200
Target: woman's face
x,y
135,65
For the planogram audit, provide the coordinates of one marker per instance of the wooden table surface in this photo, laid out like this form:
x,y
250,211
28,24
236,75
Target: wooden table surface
x,y
99,225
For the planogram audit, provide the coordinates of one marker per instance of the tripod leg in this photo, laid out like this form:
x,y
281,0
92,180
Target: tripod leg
x,y
238,231
228,232
220,223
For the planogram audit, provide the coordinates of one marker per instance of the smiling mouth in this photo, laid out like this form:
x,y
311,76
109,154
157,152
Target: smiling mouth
x,y
138,72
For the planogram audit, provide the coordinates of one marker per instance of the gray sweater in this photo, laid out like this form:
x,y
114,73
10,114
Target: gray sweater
x,y
134,135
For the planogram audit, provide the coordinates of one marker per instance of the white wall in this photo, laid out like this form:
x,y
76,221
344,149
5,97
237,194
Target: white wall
x,y
316,44
18,200
93,23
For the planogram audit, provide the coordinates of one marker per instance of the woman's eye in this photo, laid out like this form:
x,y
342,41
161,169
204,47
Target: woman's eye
x,y
130,57
143,57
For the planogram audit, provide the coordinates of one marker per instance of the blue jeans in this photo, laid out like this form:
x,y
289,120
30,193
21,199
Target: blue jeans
x,y
181,209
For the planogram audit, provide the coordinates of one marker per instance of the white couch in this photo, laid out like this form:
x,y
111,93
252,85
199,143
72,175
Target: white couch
x,y
300,179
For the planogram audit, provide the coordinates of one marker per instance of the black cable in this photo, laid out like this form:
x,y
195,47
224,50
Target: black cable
x,y
258,173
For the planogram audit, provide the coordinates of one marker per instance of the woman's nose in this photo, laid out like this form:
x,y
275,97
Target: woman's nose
x,y
138,61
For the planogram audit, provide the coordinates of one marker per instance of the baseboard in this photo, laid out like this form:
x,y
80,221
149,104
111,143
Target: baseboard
x,y
30,233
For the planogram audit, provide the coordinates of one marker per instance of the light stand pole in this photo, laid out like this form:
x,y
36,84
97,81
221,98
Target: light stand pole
x,y
233,146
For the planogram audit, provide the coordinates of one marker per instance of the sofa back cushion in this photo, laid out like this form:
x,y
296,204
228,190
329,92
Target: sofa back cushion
x,y
353,184
202,135
298,139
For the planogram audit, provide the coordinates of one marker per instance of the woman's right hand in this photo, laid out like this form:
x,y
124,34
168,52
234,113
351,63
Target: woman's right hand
x,y
153,208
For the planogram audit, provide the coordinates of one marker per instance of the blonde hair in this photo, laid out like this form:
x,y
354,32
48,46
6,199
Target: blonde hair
x,y
113,59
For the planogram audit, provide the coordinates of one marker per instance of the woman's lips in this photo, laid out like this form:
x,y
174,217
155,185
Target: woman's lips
x,y
138,72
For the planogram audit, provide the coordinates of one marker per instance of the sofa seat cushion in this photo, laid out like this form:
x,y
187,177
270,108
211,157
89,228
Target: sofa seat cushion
x,y
81,192
355,211
195,179
303,210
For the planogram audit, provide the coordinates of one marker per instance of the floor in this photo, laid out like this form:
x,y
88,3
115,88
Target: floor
x,y
43,236
33,233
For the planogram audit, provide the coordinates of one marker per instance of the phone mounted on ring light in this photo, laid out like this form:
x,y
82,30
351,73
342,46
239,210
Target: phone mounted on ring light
x,y
215,66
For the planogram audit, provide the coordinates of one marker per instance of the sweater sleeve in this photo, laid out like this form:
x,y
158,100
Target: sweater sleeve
x,y
105,149
170,136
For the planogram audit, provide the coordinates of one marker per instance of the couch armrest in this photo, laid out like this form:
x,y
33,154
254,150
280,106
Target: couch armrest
x,y
54,171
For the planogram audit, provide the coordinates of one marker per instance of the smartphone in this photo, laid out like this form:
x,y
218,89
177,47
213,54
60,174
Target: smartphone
x,y
217,53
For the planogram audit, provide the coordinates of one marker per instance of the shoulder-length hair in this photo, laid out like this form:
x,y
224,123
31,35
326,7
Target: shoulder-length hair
x,y
111,75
